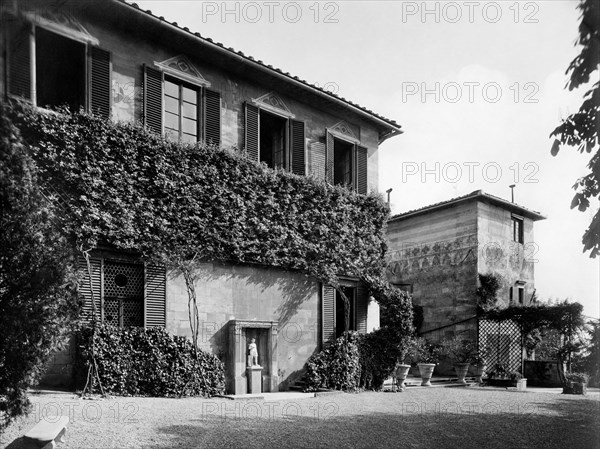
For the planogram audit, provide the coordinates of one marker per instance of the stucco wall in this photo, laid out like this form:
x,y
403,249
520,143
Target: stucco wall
x,y
227,292
437,253
509,260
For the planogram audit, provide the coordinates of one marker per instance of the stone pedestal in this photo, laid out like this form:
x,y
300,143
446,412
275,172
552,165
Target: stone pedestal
x,y
254,375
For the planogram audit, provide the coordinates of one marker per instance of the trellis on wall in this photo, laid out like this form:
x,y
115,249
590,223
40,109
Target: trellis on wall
x,y
503,342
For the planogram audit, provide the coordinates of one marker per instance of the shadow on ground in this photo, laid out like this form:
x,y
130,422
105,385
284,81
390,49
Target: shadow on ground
x,y
563,424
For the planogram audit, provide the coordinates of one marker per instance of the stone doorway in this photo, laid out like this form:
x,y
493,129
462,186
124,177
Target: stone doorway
x,y
240,334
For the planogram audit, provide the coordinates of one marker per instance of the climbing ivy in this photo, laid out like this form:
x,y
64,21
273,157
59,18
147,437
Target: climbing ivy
x,y
122,185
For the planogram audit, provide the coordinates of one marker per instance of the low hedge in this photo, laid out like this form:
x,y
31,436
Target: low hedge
x,y
148,362
337,367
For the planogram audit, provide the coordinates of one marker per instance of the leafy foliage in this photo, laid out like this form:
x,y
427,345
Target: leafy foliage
x,y
565,318
38,300
377,353
135,190
425,352
591,361
382,349
149,362
581,128
460,349
337,367
487,291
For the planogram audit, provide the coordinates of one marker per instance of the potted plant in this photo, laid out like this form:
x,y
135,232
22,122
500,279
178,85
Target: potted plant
x,y
479,362
499,376
460,352
428,356
406,351
575,383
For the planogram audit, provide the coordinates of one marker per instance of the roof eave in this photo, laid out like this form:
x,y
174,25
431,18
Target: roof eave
x,y
474,196
392,128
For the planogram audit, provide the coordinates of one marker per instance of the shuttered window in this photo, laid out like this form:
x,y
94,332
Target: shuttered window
x,y
251,132
297,147
277,141
153,81
329,159
100,82
328,314
91,291
362,305
212,113
155,292
126,293
64,71
333,312
182,111
361,170
19,66
346,164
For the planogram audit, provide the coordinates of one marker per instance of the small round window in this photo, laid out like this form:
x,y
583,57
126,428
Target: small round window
x,y
121,280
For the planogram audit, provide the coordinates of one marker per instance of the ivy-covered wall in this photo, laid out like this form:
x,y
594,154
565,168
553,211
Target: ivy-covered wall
x,y
122,185
119,185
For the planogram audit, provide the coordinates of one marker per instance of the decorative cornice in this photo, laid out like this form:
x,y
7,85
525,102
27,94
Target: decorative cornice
x,y
181,67
343,131
240,324
273,103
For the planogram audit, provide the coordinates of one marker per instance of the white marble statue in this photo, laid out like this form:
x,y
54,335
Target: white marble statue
x,y
252,353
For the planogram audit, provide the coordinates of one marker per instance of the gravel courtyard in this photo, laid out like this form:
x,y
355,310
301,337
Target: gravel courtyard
x,y
418,418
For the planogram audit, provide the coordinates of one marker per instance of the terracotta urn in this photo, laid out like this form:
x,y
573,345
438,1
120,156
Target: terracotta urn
x,y
461,372
426,371
400,375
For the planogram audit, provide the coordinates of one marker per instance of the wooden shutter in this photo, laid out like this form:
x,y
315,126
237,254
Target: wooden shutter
x,y
153,109
361,170
362,305
297,149
155,296
329,159
251,130
19,60
317,160
85,289
328,315
212,117
100,82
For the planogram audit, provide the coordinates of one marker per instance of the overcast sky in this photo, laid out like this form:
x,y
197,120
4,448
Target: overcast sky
x,y
477,86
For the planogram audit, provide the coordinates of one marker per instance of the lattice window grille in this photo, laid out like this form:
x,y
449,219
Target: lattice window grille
x,y
503,342
123,294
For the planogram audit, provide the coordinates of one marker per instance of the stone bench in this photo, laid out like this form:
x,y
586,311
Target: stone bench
x,y
46,433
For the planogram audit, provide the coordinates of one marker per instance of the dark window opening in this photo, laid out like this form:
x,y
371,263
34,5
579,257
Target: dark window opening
x,y
60,70
342,163
272,140
517,224
521,296
340,319
181,111
510,294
